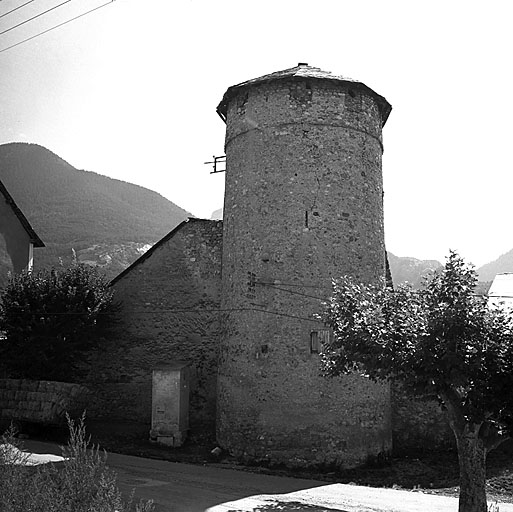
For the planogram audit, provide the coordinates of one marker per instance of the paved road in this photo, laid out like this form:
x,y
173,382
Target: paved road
x,y
178,487
188,488
191,488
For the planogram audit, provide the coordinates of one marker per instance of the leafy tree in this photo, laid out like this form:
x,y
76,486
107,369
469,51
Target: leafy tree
x,y
442,339
50,318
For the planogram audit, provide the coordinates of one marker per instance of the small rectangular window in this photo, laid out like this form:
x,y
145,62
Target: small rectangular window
x,y
318,339
251,286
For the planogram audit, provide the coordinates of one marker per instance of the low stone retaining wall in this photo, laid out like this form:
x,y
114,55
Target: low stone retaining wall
x,y
418,423
40,401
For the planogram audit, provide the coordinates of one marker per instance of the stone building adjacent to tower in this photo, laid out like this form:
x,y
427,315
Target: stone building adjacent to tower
x,y
303,204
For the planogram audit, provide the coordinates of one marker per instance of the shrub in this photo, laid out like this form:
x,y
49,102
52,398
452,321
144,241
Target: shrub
x,y
83,484
50,318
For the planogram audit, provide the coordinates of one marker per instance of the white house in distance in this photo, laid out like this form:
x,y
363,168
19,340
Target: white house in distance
x,y
501,291
20,238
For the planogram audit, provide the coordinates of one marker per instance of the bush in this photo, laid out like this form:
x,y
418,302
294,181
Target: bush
x,y
83,484
50,318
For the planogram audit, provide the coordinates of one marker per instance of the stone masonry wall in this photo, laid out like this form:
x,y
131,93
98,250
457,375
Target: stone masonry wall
x,y
303,204
418,423
40,401
170,300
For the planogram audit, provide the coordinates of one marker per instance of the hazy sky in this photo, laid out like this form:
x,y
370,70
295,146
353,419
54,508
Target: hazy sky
x,y
130,91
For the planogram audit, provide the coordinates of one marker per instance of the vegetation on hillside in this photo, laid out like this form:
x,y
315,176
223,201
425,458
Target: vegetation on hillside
x,y
442,339
414,272
70,208
410,270
502,264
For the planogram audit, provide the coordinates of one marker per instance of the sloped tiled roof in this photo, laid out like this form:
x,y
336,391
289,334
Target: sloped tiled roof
x,y
301,71
34,239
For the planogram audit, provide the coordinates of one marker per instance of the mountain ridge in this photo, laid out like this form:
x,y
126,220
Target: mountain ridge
x,y
77,209
406,269
110,222
504,263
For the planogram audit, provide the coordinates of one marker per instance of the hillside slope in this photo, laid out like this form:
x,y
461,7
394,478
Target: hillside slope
x,y
91,213
503,263
410,270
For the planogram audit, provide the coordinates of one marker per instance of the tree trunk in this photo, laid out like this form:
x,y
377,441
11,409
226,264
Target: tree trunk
x,y
472,460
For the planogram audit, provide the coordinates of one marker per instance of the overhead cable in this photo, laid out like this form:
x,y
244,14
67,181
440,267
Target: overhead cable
x,y
16,8
56,26
35,17
273,287
171,311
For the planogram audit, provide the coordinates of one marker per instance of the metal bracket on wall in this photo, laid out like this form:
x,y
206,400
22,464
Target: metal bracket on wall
x,y
217,160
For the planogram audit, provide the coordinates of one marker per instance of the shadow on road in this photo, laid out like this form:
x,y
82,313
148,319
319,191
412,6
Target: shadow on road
x,y
291,506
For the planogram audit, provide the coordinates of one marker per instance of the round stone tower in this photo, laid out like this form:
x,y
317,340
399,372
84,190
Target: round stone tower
x,y
303,204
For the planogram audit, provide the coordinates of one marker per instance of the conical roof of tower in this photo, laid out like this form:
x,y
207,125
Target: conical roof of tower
x,y
302,71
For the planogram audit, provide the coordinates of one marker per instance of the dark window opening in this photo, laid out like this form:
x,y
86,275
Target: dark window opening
x,y
251,286
318,339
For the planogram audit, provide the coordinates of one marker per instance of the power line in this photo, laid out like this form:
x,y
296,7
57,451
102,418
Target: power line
x,y
35,17
278,313
173,311
299,285
273,287
16,8
56,26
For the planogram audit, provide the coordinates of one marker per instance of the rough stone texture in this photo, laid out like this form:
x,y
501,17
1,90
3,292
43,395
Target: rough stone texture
x,y
40,401
170,300
418,423
303,203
